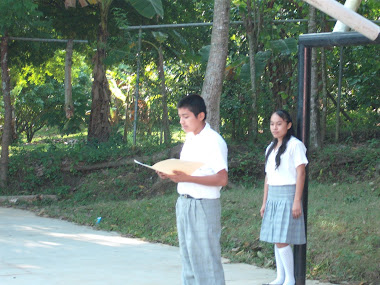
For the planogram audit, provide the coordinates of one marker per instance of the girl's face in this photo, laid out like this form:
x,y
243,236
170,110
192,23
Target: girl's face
x,y
279,127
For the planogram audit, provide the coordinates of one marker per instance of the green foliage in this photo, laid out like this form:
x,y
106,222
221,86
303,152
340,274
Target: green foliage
x,y
22,12
205,52
93,152
261,60
345,162
35,168
362,76
34,107
32,169
42,105
148,8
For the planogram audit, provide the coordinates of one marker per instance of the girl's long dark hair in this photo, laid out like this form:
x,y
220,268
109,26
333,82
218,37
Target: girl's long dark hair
x,y
286,117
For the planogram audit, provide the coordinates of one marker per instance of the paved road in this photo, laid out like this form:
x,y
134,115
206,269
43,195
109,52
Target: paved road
x,y
43,251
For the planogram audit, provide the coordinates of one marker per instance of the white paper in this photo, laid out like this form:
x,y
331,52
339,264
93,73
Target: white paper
x,y
169,165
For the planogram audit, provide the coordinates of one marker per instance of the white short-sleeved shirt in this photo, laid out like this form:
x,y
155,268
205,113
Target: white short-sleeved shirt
x,y
285,174
210,148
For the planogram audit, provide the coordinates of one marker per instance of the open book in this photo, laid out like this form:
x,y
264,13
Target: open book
x,y
169,165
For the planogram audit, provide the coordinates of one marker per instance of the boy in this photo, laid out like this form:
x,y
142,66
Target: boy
x,y
198,208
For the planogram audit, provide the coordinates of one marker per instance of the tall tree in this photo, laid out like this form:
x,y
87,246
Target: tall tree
x,y
161,74
99,126
315,140
7,131
324,95
69,105
252,23
11,12
212,86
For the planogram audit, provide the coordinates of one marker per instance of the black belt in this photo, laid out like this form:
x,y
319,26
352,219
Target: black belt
x,y
187,196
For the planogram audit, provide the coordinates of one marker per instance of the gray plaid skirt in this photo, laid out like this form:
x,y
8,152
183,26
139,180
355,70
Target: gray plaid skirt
x,y
278,225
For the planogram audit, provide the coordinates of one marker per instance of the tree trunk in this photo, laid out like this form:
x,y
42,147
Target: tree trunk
x,y
69,105
315,141
213,83
337,123
127,121
252,34
99,128
161,74
7,128
324,94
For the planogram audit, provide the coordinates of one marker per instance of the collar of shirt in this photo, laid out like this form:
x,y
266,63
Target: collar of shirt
x,y
205,129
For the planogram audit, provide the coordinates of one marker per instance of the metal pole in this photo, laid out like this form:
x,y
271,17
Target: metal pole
x,y
47,40
337,126
303,132
206,24
137,87
335,39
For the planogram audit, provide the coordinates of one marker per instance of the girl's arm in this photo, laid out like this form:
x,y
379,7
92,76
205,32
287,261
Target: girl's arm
x,y
262,210
297,203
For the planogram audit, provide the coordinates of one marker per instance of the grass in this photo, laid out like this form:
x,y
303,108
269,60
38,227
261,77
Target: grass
x,y
343,226
345,218
343,209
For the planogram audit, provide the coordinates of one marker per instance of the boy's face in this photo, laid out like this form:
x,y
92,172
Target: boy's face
x,y
189,122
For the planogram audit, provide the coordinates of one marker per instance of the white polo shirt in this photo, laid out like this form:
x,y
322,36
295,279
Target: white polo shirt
x,y
210,148
286,174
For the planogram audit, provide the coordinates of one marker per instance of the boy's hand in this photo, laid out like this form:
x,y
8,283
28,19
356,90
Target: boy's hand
x,y
162,175
178,176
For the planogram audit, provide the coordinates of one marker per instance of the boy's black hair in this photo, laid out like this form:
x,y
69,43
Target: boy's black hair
x,y
286,117
194,103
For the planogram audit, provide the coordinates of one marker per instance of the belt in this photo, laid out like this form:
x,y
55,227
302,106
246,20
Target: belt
x,y
187,196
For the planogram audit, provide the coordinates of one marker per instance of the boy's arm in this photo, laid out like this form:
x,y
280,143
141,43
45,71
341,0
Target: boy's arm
x,y
218,179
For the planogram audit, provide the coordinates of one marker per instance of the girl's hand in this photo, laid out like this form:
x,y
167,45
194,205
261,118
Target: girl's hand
x,y
297,209
262,210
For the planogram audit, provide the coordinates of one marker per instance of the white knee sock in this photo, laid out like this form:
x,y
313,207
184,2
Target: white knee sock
x,y
280,268
286,255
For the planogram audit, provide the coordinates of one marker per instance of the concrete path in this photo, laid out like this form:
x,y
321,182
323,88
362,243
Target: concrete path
x,y
43,251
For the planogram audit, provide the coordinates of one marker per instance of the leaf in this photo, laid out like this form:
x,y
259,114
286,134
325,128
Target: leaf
x,y
279,46
204,52
160,37
261,61
284,47
182,40
245,72
292,44
148,8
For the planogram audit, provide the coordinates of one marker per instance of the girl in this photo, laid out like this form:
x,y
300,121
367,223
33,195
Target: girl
x,y
283,221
